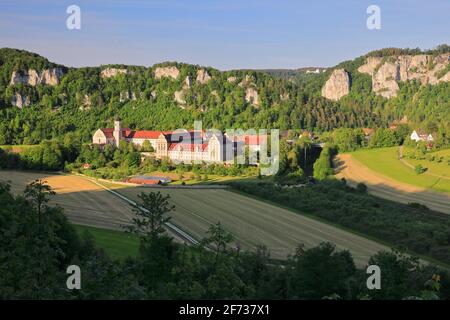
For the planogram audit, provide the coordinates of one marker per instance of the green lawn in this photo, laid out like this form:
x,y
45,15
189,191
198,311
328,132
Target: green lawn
x,y
117,244
441,169
386,162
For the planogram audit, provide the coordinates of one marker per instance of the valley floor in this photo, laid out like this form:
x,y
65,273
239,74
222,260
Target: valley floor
x,y
386,177
251,221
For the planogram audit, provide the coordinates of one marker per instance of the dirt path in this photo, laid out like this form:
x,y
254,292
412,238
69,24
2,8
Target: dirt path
x,y
384,187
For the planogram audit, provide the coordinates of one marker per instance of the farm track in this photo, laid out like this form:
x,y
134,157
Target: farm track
x,y
251,221
384,187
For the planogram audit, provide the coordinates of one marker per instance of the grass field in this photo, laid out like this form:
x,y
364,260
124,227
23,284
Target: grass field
x,y
385,161
253,222
117,244
434,168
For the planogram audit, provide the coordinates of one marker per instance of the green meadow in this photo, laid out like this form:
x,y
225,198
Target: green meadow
x,y
117,244
386,162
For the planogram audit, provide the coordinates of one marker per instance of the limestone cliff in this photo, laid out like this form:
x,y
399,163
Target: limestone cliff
x,y
187,82
337,86
252,96
112,72
203,76
32,77
386,72
180,98
86,103
251,92
20,101
169,72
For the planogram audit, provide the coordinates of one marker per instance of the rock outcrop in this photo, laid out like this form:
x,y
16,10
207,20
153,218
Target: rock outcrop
x,y
20,101
337,86
179,97
203,76
384,81
187,82
252,96
32,77
248,80
284,96
86,103
112,72
386,72
370,65
51,77
231,79
167,72
127,95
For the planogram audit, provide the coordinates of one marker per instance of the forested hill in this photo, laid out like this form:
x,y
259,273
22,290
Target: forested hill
x,y
42,100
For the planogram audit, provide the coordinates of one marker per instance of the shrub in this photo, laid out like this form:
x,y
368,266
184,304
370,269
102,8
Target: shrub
x,y
419,169
361,188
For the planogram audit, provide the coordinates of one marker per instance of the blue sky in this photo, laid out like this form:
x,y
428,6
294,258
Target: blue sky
x,y
223,34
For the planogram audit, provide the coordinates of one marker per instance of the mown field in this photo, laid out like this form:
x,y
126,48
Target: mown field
x,y
386,162
84,202
253,222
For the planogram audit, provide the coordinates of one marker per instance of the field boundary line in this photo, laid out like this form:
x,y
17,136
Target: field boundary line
x,y
406,163
169,225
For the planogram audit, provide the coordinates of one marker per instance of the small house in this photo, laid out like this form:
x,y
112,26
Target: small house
x,y
420,135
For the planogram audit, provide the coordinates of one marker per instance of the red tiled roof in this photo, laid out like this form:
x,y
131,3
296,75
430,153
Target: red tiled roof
x,y
255,139
143,181
144,134
130,134
251,139
368,131
109,132
421,132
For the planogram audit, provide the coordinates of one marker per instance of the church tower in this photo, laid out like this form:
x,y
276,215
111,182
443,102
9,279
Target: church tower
x,y
117,134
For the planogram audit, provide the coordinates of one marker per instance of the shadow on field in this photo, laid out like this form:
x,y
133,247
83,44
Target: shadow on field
x,y
251,221
339,166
